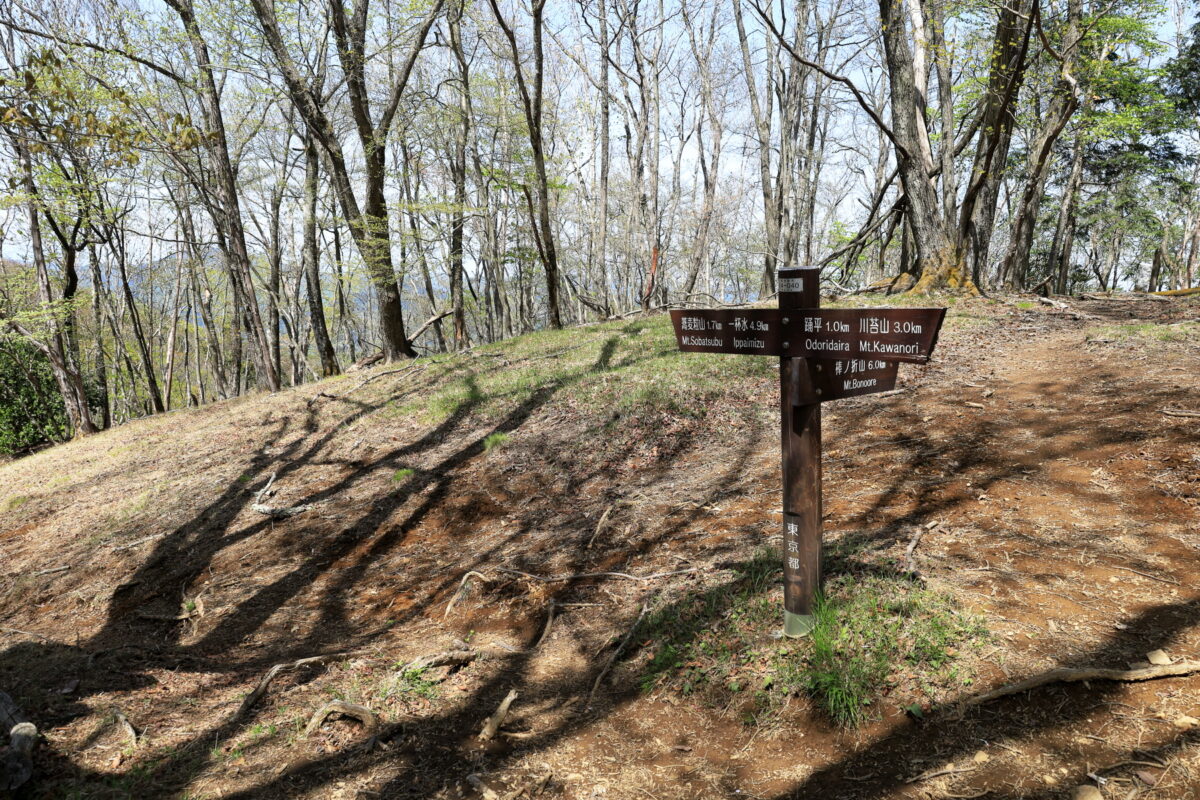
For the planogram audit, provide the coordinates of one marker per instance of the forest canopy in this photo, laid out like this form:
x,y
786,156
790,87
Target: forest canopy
x,y
206,198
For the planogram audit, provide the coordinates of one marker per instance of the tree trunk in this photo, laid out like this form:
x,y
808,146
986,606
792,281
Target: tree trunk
x,y
936,265
311,258
228,215
458,172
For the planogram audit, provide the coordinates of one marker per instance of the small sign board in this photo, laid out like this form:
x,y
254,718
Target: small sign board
x,y
749,331
884,334
852,377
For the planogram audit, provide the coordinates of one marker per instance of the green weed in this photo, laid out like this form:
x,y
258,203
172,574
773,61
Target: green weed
x,y
874,633
413,682
13,503
494,440
402,474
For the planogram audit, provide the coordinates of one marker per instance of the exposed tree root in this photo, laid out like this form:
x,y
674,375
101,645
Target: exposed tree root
x,y
461,592
493,723
361,713
450,658
261,689
615,655
1077,675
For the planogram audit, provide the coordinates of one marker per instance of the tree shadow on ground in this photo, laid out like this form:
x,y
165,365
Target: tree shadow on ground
x,y
429,754
886,765
126,651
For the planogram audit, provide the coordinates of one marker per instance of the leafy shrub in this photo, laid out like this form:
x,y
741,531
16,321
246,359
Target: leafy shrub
x,y
31,408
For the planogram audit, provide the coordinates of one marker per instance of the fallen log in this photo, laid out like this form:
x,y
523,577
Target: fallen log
x,y
1179,292
1078,675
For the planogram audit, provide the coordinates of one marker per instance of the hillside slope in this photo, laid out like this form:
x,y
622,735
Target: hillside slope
x,y
594,477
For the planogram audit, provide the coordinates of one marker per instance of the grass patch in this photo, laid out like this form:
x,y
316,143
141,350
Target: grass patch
x,y
414,683
403,473
13,503
1181,332
876,634
494,440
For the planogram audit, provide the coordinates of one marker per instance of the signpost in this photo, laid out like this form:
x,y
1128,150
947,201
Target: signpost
x,y
824,354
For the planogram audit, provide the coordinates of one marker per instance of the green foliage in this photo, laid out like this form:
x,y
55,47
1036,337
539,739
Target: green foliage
x,y
870,634
873,633
494,440
413,682
31,408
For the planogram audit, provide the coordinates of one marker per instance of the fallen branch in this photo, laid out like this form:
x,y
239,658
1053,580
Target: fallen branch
x,y
450,658
615,654
66,567
137,542
484,790
26,633
549,622
127,726
414,368
600,524
427,323
261,689
1077,675
925,776
461,592
493,723
261,493
909,566
1143,574
361,713
17,767
280,512
1179,412
582,575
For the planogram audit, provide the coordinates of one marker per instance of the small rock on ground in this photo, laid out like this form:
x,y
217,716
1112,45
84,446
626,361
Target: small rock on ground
x,y
1086,792
1158,658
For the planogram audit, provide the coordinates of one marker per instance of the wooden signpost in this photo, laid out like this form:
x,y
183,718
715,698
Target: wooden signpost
x,y
824,354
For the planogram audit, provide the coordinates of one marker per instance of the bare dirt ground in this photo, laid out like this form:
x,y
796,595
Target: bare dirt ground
x,y
1062,505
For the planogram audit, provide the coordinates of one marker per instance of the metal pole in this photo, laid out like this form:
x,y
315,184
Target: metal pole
x,y
801,439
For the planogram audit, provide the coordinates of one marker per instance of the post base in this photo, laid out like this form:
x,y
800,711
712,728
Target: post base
x,y
797,625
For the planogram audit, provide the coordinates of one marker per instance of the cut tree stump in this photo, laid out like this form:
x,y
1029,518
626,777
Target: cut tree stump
x,y
17,767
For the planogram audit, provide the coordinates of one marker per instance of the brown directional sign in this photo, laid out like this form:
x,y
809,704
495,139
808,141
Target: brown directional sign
x,y
885,334
751,331
852,377
824,354
881,334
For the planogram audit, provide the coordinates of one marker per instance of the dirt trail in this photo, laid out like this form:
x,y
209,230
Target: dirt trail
x,y
1061,505
1068,511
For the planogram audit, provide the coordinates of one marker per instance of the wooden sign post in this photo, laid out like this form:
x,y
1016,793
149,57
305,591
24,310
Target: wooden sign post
x,y
824,354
